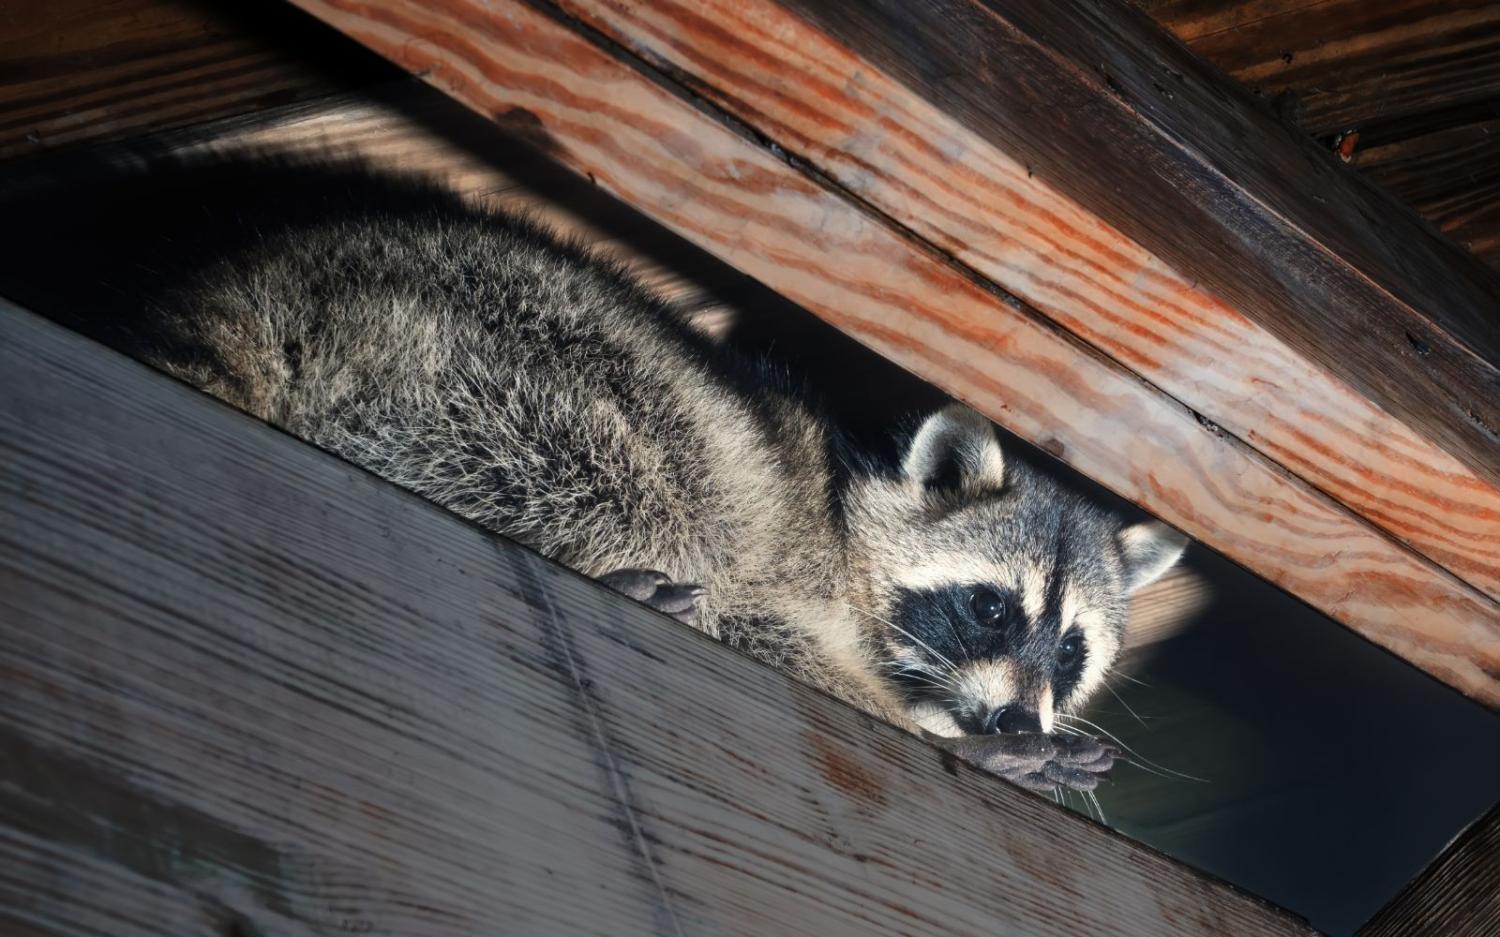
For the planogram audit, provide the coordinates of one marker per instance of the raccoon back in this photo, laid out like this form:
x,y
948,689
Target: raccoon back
x,y
467,355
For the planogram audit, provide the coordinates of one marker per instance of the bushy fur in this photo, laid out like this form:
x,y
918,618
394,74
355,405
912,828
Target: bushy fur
x,y
540,392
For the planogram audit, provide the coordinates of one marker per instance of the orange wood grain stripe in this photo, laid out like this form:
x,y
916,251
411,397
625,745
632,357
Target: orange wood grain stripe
x,y
659,152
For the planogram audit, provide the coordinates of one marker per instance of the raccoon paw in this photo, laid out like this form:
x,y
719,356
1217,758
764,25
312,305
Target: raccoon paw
x,y
1038,762
649,587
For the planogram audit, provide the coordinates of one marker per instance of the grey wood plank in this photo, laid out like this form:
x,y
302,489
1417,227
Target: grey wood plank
x,y
248,686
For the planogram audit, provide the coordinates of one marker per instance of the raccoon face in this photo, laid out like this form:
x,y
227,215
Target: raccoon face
x,y
998,598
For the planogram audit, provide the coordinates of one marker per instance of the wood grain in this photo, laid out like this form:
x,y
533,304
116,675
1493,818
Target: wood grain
x,y
1348,61
663,154
74,71
251,689
1419,80
1450,174
903,155
1458,895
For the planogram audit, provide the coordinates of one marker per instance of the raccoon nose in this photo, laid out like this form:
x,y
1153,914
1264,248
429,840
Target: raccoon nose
x,y
1008,719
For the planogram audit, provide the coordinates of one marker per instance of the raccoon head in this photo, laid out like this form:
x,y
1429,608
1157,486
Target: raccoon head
x,y
994,597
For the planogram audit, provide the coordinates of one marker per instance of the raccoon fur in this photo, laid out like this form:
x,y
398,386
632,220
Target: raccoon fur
x,y
536,389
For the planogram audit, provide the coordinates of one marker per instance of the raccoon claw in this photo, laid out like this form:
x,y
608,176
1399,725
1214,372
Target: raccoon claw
x,y
638,584
656,589
1078,779
1038,762
1081,751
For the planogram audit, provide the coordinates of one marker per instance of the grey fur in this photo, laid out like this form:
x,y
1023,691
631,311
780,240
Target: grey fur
x,y
541,393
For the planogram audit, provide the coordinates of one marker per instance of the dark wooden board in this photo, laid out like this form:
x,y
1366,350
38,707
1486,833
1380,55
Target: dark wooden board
x,y
1349,62
1458,895
1418,80
1451,175
77,71
250,689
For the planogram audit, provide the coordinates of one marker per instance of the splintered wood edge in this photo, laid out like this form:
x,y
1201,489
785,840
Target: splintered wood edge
x,y
663,153
249,685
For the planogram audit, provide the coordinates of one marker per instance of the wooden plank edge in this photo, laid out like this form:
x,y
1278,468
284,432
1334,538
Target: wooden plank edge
x,y
665,154
1457,895
252,685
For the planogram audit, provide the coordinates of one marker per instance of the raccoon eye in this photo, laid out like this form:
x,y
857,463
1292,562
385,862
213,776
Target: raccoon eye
x,y
1069,651
988,608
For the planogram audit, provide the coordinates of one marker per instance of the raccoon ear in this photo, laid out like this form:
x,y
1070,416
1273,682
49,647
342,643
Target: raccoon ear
x,y
1149,549
955,448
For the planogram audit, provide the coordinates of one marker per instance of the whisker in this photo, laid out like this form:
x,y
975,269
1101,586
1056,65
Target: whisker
x,y
1137,759
952,666
1098,807
968,655
935,679
1125,704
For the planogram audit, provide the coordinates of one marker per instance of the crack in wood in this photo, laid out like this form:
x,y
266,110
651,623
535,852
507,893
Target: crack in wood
x,y
558,641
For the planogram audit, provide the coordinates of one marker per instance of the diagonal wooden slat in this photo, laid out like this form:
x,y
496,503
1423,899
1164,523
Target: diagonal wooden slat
x,y
250,689
666,152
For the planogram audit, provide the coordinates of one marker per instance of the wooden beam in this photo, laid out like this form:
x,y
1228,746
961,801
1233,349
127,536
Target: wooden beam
x,y
900,152
1418,80
252,689
79,71
720,187
1348,61
1458,895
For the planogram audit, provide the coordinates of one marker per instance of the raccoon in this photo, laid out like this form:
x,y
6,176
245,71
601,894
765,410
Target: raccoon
x,y
538,390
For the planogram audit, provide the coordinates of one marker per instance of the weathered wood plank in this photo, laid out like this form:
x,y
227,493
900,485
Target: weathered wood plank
x,y
1451,175
644,143
1419,80
1458,895
1348,61
250,686
86,70
901,153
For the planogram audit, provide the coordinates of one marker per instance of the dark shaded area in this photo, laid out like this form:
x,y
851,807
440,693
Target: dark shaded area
x,y
1334,771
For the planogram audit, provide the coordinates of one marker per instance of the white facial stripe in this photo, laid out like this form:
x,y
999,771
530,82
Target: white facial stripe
x,y
1070,604
1101,648
935,719
987,683
1033,588
1044,708
1091,623
942,572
